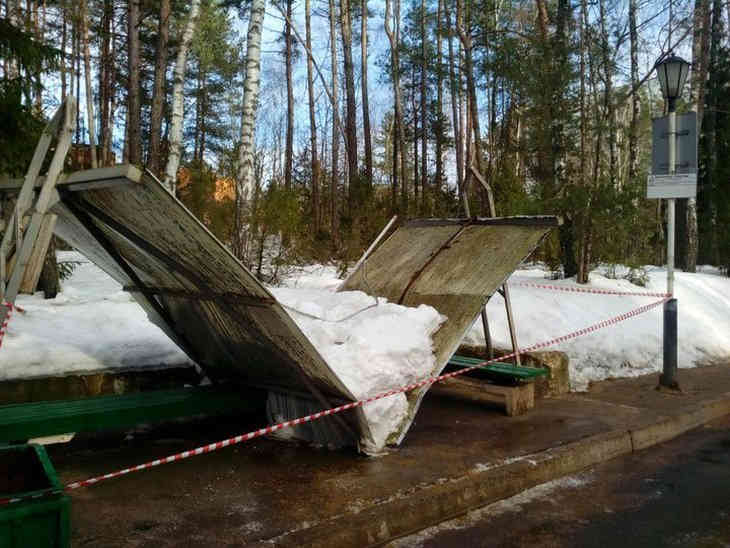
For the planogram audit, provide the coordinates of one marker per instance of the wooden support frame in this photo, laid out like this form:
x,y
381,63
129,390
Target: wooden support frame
x,y
25,239
505,290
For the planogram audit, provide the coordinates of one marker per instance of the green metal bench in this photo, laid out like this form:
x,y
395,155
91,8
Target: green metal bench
x,y
500,370
24,421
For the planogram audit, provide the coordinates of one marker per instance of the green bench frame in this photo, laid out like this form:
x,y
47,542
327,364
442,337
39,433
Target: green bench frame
x,y
23,421
500,370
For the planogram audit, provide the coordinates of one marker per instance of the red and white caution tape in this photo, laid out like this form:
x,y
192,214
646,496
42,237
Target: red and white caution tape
x,y
9,307
576,289
309,418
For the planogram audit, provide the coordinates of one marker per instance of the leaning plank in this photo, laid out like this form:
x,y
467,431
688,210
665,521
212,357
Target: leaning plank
x,y
38,256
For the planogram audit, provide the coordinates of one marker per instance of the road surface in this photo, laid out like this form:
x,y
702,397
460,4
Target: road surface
x,y
674,494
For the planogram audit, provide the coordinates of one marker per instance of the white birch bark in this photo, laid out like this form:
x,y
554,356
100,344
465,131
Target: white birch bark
x,y
700,46
87,78
176,126
244,176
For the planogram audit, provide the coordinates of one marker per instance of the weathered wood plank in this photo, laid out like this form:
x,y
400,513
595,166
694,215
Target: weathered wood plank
x,y
193,287
103,177
516,400
547,221
38,257
459,264
45,199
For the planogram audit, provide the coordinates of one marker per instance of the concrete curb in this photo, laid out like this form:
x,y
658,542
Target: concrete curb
x,y
676,425
425,505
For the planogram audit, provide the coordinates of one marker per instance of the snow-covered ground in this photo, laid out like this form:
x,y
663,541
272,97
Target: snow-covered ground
x,y
630,348
90,326
94,325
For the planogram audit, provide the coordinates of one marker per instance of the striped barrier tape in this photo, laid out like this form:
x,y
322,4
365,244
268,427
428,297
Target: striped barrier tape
x,y
576,289
309,418
9,307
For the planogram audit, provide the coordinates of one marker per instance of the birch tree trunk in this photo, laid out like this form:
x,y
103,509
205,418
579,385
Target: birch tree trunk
x,y
87,78
438,180
475,159
158,93
244,177
584,245
700,49
456,119
64,32
176,123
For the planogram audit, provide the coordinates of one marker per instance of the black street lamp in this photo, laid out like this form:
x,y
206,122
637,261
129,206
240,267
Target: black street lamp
x,y
672,73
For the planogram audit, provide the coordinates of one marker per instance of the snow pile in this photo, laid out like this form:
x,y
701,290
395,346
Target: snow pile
x,y
94,325
629,348
372,347
91,325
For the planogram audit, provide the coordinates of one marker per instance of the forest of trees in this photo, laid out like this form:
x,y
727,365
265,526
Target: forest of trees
x,y
294,129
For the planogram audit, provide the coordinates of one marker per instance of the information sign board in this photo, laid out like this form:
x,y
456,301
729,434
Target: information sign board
x,y
686,144
682,185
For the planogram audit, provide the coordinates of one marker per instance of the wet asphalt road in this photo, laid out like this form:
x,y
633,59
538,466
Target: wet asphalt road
x,y
675,494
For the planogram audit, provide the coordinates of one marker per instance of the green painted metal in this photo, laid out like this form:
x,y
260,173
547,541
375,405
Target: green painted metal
x,y
501,369
25,470
31,420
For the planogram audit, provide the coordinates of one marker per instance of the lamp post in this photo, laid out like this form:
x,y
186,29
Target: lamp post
x,y
672,73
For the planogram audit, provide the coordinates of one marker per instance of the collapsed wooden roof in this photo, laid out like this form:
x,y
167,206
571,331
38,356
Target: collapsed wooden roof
x,y
191,285
454,265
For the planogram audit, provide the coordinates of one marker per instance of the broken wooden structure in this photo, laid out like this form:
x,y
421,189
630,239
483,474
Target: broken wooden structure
x,y
28,226
191,286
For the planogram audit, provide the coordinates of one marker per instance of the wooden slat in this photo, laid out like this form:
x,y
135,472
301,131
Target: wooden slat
x,y
38,257
547,221
103,177
516,400
63,119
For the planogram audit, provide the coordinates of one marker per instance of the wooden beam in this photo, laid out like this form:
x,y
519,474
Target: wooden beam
x,y
81,180
518,220
38,257
245,300
516,400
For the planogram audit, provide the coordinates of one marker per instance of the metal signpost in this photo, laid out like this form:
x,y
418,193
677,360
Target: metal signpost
x,y
665,182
